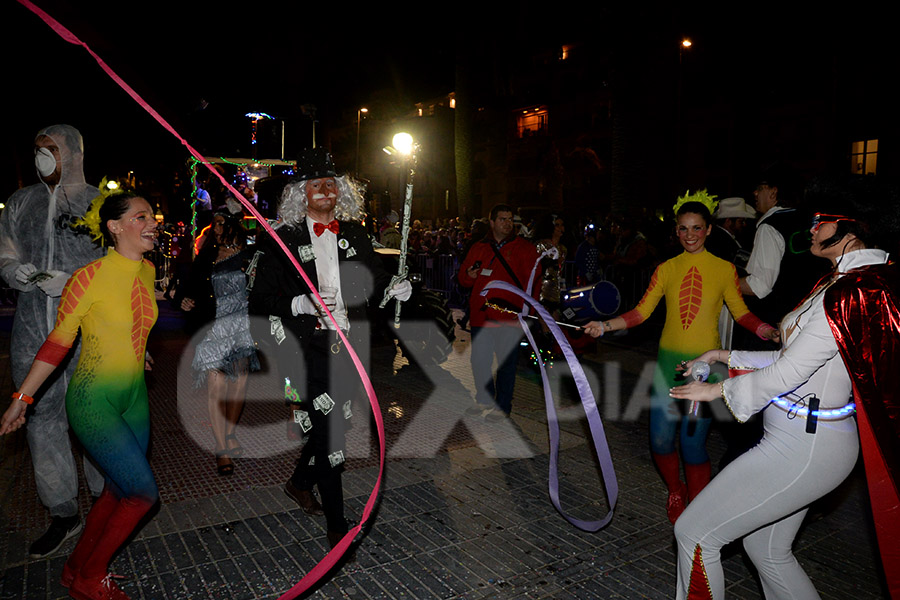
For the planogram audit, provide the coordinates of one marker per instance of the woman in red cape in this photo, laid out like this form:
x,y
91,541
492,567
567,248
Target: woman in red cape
x,y
763,496
863,309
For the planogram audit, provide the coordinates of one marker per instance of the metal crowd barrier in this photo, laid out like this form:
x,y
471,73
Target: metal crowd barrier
x,y
439,274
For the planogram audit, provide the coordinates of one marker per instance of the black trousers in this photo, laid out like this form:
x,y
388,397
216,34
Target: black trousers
x,y
330,385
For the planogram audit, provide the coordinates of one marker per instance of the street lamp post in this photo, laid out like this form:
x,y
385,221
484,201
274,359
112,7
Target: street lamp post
x,y
359,114
255,118
310,111
685,44
679,159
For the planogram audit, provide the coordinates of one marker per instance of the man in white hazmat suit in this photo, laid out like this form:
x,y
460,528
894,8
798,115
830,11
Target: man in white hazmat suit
x,y
39,251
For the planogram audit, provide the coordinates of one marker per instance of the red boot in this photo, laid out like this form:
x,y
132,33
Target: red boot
x,y
671,473
676,503
697,477
97,589
93,582
94,524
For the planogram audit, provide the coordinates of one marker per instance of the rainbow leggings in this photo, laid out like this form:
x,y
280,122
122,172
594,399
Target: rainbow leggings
x,y
112,421
666,418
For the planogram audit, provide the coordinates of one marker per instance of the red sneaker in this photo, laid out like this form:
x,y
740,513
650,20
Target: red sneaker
x,y
97,589
676,503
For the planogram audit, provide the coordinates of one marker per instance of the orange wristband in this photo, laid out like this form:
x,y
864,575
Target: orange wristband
x,y
23,397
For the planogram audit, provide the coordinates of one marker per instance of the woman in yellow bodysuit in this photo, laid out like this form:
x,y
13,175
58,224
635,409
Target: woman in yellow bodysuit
x,y
111,301
695,284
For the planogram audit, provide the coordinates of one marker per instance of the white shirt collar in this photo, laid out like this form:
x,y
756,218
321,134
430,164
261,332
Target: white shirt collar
x,y
310,220
861,258
769,212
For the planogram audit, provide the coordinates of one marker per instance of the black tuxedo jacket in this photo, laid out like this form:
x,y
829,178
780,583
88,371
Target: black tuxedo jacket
x,y
274,282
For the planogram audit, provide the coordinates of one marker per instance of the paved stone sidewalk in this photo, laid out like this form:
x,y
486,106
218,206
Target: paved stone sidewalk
x,y
483,533
462,523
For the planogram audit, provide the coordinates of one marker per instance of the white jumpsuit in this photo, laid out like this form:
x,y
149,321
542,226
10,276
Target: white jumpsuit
x,y
764,494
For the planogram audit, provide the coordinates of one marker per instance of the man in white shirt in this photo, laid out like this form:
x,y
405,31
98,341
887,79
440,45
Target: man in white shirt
x,y
319,223
781,270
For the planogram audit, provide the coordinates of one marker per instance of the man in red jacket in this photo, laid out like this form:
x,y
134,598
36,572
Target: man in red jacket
x,y
500,256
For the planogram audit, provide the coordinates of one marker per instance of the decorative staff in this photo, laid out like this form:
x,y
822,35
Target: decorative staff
x,y
534,317
404,145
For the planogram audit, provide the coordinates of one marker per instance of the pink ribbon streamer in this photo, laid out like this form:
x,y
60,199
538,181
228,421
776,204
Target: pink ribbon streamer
x,y
335,554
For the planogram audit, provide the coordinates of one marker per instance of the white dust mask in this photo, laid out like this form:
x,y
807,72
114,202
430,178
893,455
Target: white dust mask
x,y
44,161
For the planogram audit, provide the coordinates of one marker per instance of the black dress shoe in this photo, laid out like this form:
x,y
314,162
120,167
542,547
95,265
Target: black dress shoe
x,y
304,498
334,537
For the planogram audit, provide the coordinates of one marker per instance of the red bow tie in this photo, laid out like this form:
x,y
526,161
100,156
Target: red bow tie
x,y
334,226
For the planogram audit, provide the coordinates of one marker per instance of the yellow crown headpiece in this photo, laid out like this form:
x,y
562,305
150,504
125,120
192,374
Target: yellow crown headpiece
x,y
91,218
702,197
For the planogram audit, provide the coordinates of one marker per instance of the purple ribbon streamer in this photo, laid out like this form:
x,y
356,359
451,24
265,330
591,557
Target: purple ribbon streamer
x,y
587,401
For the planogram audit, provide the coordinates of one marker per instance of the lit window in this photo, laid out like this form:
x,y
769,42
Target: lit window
x,y
452,102
533,121
864,157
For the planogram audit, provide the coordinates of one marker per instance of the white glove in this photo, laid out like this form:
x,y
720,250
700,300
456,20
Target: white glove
x,y
304,304
401,290
24,271
53,287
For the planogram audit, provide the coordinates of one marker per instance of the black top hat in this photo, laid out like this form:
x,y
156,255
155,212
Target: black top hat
x,y
314,163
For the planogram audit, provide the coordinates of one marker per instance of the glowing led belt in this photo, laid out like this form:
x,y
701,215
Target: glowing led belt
x,y
828,414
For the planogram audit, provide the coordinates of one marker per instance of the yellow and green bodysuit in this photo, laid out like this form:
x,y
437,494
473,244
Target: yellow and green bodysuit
x,y
695,287
112,301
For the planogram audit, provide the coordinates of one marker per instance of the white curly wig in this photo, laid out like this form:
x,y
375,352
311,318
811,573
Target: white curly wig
x,y
349,207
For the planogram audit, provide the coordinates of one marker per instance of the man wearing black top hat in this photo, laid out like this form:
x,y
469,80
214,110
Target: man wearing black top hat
x,y
319,219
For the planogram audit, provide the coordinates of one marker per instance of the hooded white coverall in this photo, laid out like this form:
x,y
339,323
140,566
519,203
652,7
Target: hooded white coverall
x,y
35,230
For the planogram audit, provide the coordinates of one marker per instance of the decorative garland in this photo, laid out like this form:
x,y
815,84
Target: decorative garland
x,y
196,161
545,358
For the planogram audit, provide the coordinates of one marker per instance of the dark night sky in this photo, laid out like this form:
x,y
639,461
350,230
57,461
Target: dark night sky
x,y
275,57
177,54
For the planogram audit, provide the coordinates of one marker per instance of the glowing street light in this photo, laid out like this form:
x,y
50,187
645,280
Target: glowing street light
x,y
685,44
403,143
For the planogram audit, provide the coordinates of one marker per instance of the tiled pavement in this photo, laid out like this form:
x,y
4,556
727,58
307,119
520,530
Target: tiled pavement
x,y
464,511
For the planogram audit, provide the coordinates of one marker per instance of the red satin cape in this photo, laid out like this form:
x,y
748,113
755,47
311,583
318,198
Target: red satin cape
x,y
863,309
